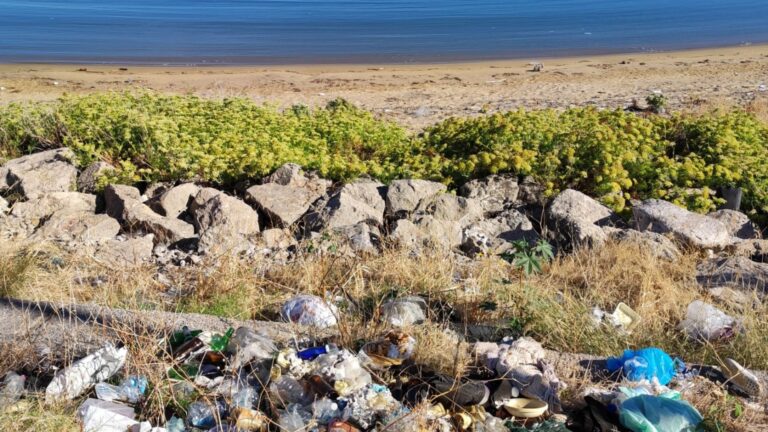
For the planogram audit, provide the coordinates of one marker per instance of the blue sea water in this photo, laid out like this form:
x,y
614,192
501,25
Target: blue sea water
x,y
399,31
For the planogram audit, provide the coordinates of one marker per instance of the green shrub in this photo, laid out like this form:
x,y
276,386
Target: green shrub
x,y
153,137
614,156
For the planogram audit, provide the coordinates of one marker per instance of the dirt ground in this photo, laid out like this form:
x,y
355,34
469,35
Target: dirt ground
x,y
418,95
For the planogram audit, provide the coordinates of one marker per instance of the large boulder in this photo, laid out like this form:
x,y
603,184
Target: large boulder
x,y
223,222
282,205
657,244
79,227
124,204
495,236
494,193
88,180
403,196
735,272
40,173
737,223
690,228
576,220
174,201
125,253
360,201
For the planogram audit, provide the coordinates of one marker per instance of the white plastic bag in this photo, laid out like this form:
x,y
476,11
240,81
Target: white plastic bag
x,y
705,322
309,310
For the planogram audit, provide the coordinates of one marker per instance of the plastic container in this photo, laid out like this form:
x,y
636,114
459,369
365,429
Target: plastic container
x,y
526,408
314,352
625,317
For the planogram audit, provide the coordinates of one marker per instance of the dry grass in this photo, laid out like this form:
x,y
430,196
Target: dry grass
x,y
553,307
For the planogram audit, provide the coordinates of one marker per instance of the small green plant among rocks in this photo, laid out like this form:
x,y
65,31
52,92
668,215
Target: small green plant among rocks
x,y
530,257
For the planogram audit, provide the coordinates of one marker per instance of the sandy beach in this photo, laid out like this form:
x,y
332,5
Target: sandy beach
x,y
417,95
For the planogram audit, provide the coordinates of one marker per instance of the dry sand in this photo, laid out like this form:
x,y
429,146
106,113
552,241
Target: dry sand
x,y
417,95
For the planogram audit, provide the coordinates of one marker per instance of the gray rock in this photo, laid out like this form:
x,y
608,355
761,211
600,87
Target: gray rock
x,y
123,204
577,220
80,227
277,239
495,236
738,224
224,223
427,231
361,237
735,272
692,229
174,201
40,173
36,210
756,250
283,205
530,192
494,193
88,180
4,206
125,253
361,201
405,311
292,174
659,245
403,196
448,207
154,190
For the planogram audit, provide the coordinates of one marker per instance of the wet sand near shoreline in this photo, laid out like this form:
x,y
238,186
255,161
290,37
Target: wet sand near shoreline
x,y
418,95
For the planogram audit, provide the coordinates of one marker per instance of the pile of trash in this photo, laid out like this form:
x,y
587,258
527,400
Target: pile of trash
x,y
242,380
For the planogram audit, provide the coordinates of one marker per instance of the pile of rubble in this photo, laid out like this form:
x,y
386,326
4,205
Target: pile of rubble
x,y
242,380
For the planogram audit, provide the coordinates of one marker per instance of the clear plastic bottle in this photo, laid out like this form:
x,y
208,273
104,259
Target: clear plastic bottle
x,y
131,390
204,415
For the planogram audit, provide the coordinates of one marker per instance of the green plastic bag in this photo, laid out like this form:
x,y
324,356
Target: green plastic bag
x,y
658,414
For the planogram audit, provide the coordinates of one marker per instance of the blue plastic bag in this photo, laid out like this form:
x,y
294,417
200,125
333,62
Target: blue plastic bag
x,y
645,364
648,413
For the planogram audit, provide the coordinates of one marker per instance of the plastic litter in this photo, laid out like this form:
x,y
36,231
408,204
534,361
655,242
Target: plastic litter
x,y
392,349
314,352
73,381
705,322
325,410
647,413
404,311
204,415
309,310
646,364
102,416
131,390
13,389
250,420
293,419
175,424
248,345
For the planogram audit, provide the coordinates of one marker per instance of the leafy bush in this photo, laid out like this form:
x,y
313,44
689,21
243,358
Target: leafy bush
x,y
614,156
153,137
